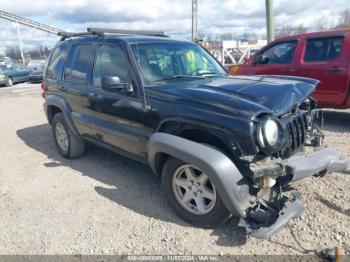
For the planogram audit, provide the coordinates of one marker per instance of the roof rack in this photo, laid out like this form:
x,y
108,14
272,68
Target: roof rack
x,y
101,31
65,35
126,32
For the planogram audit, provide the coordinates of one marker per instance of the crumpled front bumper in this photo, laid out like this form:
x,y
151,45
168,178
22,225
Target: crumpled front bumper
x,y
319,162
324,160
239,194
292,209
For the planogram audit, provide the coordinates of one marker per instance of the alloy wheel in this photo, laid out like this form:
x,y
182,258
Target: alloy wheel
x,y
193,190
61,136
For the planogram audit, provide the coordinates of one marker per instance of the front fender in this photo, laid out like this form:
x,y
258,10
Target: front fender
x,y
231,186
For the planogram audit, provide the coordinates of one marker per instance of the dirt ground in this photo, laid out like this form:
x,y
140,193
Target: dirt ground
x,y
103,203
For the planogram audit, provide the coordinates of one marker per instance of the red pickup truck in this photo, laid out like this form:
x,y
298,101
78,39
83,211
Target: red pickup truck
x,y
323,55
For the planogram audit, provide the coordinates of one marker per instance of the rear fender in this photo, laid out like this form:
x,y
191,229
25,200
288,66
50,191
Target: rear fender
x,y
59,102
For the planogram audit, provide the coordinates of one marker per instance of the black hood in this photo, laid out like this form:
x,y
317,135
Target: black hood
x,y
243,94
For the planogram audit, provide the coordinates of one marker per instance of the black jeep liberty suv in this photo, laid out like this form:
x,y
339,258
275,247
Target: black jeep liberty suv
x,y
223,146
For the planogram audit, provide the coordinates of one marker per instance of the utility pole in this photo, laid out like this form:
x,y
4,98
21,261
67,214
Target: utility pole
x,y
20,43
269,21
194,20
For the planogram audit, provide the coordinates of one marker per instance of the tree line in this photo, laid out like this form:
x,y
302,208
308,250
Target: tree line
x,y
39,53
322,24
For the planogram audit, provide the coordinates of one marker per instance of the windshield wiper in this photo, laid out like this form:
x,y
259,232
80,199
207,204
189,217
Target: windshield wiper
x,y
211,73
175,77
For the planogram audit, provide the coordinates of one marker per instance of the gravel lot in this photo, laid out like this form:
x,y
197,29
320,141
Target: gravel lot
x,y
103,203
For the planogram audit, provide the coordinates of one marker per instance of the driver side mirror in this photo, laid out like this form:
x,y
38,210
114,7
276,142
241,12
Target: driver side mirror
x,y
113,83
260,60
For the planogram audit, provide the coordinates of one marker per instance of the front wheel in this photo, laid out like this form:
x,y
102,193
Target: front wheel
x,y
9,82
192,194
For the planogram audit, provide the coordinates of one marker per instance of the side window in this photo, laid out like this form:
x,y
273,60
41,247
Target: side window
x,y
110,61
77,63
323,49
280,53
55,66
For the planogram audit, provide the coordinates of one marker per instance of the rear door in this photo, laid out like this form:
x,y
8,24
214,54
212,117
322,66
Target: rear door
x,y
325,59
75,80
277,59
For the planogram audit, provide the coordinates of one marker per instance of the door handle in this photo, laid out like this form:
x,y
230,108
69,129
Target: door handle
x,y
337,69
289,70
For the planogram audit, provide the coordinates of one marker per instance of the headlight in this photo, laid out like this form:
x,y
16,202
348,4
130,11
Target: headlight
x,y
2,76
270,134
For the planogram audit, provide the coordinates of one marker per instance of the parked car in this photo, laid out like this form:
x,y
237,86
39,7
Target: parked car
x,y
35,64
36,76
5,60
14,74
222,145
324,56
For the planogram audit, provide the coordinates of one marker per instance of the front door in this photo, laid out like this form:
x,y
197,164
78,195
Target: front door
x,y
277,59
117,115
18,74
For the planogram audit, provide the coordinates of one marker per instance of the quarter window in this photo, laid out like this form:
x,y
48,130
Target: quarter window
x,y
55,67
281,53
110,61
323,49
77,63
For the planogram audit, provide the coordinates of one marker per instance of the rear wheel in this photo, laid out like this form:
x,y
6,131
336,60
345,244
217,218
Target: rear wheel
x,y
9,82
66,143
192,194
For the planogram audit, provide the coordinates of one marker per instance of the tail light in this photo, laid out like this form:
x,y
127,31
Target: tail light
x,y
43,89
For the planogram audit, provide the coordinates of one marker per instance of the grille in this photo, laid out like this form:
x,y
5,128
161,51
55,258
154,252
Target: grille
x,y
296,127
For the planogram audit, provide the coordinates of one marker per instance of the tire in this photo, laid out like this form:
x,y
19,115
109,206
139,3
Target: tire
x,y
9,82
215,212
71,147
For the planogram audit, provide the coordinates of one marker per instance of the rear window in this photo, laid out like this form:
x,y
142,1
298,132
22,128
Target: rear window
x,y
55,66
77,64
323,49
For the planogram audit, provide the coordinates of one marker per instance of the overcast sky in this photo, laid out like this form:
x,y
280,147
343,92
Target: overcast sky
x,y
172,16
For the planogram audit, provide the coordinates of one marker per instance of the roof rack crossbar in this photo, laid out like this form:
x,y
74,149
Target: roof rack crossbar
x,y
65,35
126,32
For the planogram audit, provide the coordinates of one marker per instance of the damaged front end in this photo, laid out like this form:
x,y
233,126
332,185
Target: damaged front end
x,y
297,154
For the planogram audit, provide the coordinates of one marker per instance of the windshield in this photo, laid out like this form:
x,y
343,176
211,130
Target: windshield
x,y
164,61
